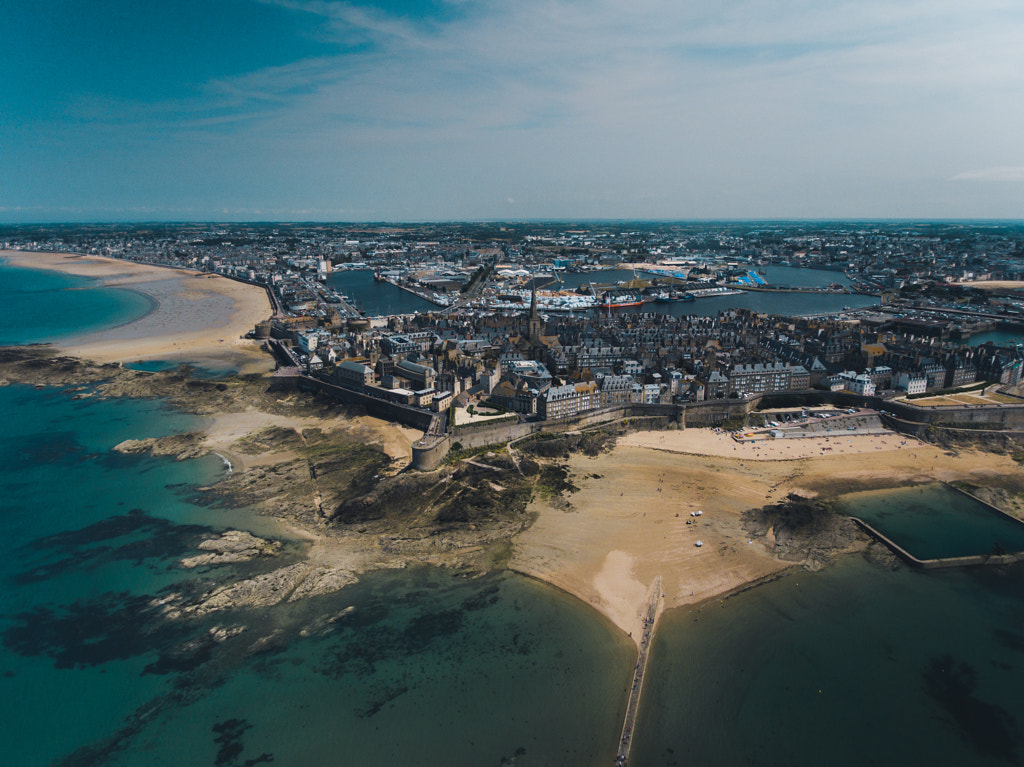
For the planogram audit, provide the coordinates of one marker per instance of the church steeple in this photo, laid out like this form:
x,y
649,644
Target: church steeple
x,y
533,328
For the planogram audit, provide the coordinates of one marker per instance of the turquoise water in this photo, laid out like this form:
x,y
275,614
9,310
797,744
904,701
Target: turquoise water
x,y
205,369
82,528
854,665
935,521
47,306
428,668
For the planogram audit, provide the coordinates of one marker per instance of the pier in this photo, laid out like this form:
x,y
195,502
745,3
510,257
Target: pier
x,y
654,604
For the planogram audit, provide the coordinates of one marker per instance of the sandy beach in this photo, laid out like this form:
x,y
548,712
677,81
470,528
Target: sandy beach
x,y
716,443
627,524
197,317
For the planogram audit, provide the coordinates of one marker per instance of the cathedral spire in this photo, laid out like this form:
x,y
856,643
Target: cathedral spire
x,y
534,326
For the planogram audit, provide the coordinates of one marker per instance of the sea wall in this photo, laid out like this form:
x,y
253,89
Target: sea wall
x,y
956,423
939,564
1005,416
408,416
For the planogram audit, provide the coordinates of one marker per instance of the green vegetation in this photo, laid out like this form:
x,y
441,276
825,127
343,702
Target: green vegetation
x,y
553,481
734,423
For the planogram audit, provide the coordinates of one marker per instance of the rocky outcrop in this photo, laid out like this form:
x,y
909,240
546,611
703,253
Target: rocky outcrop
x,y
231,546
285,584
181,446
804,530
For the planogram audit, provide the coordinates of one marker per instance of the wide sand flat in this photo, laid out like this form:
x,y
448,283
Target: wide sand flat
x,y
198,317
711,442
627,523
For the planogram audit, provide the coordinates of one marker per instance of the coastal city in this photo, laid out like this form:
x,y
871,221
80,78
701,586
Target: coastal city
x,y
653,419
512,384
476,322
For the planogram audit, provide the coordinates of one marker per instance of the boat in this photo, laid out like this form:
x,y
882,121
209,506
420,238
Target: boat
x,y
673,297
620,300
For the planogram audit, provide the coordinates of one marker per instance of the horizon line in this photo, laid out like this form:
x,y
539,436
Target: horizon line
x,y
506,221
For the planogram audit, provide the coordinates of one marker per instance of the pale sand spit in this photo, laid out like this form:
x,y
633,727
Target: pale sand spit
x,y
197,316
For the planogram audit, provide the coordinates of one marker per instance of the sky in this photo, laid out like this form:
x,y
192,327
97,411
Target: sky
x,y
397,110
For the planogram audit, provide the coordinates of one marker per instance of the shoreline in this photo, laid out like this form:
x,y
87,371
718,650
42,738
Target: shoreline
x,y
602,549
196,317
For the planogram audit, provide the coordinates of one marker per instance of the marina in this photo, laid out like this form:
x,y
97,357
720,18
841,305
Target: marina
x,y
375,294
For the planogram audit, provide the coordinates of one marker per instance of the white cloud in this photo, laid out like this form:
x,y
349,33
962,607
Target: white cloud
x,y
615,108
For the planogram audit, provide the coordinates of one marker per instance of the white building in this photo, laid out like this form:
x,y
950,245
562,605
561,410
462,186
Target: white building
x,y
911,384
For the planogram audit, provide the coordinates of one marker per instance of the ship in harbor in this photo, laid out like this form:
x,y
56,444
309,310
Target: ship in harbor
x,y
671,297
620,299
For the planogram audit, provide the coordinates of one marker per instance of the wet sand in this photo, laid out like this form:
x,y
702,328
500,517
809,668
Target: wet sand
x,y
197,317
627,523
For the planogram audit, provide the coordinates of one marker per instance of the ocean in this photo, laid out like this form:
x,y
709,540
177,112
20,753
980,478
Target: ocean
x,y
47,306
857,664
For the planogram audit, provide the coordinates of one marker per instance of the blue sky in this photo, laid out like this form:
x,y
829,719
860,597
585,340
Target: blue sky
x,y
493,109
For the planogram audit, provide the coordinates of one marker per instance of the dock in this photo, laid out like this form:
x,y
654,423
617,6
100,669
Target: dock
x,y
654,603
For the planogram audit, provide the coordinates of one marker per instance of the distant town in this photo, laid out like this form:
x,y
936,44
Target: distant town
x,y
539,322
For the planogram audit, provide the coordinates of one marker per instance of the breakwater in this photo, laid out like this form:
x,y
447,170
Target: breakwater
x,y
940,563
654,607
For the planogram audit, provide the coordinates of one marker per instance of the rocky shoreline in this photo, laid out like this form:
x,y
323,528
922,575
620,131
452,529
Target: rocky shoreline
x,y
349,506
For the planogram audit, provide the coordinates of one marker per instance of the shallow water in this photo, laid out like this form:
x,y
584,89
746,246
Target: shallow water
x,y
43,306
856,664
935,521
429,668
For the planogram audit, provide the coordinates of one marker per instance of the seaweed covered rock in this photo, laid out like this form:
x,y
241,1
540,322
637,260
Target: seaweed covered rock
x,y
803,530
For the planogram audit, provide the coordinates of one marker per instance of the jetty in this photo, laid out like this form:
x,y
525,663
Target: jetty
x,y
654,605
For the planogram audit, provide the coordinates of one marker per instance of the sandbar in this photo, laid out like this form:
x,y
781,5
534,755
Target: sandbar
x,y
197,317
